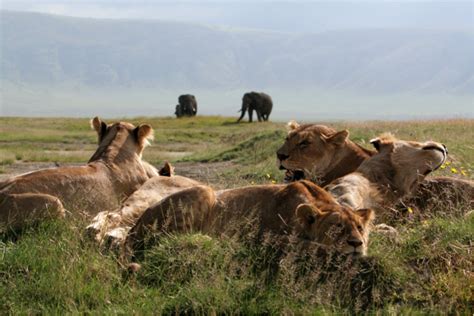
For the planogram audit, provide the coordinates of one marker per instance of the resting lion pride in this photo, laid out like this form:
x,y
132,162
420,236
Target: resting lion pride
x,y
322,154
377,183
301,208
113,172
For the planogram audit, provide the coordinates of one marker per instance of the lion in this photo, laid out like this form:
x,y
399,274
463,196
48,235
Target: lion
x,y
300,208
322,155
111,227
113,172
319,153
391,174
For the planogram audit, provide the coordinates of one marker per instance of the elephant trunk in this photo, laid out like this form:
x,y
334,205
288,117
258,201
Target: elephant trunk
x,y
243,110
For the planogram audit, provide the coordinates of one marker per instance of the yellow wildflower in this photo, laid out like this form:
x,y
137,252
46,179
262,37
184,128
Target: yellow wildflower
x,y
464,173
443,166
268,176
273,181
447,163
454,170
410,210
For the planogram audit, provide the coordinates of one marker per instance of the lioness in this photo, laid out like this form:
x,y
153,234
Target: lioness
x,y
113,172
301,208
112,227
319,153
322,154
392,173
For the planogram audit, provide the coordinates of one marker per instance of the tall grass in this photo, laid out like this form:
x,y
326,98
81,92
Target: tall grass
x,y
425,269
53,269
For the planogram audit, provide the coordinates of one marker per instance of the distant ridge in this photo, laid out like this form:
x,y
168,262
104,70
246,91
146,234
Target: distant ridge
x,y
41,49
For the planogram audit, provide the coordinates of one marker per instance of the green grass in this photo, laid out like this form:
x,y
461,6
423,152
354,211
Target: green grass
x,y
54,269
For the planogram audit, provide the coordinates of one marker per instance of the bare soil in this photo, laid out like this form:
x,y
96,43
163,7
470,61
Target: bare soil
x,y
205,172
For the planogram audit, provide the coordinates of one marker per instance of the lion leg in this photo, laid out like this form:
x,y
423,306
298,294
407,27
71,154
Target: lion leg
x,y
19,210
184,211
126,215
113,235
101,223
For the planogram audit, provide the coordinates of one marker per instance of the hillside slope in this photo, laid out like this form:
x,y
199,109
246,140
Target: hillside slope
x,y
44,49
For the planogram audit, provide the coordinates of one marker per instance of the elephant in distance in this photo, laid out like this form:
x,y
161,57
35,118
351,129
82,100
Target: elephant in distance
x,y
260,102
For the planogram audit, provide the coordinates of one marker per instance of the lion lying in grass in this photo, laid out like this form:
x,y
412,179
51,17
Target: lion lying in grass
x,y
394,172
319,153
300,208
111,227
113,172
322,154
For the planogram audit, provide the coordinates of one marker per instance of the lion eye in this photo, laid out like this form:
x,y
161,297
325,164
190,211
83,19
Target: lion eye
x,y
359,227
304,144
340,226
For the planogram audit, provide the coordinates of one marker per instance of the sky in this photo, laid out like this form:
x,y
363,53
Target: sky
x,y
286,16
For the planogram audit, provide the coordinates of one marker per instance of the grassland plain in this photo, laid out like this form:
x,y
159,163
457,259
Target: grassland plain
x,y
53,268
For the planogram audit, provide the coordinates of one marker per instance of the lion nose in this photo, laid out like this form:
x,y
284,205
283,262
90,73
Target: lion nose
x,y
354,243
282,156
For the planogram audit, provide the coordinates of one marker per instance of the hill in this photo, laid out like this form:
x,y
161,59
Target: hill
x,y
46,49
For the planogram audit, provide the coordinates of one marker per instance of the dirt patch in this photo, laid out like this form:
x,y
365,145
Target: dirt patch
x,y
209,173
18,168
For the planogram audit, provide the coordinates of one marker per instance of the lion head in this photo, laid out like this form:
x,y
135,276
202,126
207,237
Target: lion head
x,y
340,228
120,141
318,153
400,165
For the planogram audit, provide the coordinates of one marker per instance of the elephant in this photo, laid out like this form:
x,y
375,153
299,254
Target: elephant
x,y
187,105
260,102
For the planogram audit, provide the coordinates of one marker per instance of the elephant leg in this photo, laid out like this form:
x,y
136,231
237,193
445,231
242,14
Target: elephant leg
x,y
19,210
178,111
259,116
250,115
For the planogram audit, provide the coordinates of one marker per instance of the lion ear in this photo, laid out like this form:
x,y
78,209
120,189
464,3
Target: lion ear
x,y
167,170
338,138
382,140
144,134
292,125
366,214
99,126
376,142
307,214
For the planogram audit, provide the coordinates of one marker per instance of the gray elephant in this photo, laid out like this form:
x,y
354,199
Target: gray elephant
x,y
187,105
260,102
